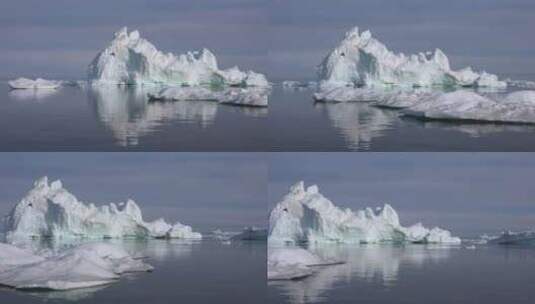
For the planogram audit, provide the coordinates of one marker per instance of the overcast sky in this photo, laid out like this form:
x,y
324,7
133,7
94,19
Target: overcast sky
x,y
285,39
467,193
205,190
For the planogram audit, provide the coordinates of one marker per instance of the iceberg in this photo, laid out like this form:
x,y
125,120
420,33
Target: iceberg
x,y
305,215
361,60
50,211
516,107
132,60
88,265
39,83
293,263
514,238
253,97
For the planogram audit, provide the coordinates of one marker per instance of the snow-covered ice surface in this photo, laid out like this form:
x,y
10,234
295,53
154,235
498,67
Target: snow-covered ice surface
x,y
49,210
291,263
361,60
514,238
306,216
130,59
515,107
88,265
39,83
253,96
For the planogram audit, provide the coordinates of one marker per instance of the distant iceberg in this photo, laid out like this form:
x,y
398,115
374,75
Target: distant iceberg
x,y
304,215
87,265
514,238
39,83
130,59
49,210
361,60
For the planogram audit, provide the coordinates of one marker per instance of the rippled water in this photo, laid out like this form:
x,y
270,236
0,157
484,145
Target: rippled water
x,y
415,274
185,272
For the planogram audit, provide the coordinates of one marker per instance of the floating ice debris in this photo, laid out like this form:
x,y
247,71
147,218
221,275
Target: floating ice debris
x,y
522,84
514,238
88,265
304,215
52,211
405,98
39,83
516,107
130,59
361,60
251,234
254,97
293,263
344,94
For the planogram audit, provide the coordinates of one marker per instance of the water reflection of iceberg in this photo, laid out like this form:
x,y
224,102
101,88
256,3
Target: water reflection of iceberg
x,y
31,94
127,112
358,122
471,129
375,264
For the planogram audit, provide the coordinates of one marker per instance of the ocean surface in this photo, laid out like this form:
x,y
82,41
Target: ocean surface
x,y
122,119
206,271
415,274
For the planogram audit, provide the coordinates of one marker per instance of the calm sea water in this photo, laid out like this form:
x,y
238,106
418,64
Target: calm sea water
x,y
415,274
200,272
297,123
114,118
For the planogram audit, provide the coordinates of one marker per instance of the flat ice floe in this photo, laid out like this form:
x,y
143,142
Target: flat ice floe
x,y
293,263
304,215
253,97
39,83
514,238
361,60
130,59
49,210
88,265
516,107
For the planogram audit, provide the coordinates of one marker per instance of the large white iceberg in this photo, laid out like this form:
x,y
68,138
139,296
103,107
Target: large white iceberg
x,y
304,215
39,83
516,107
130,59
361,60
81,267
49,210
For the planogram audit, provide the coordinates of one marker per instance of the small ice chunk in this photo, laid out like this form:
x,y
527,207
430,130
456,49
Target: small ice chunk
x,y
251,234
293,263
39,83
